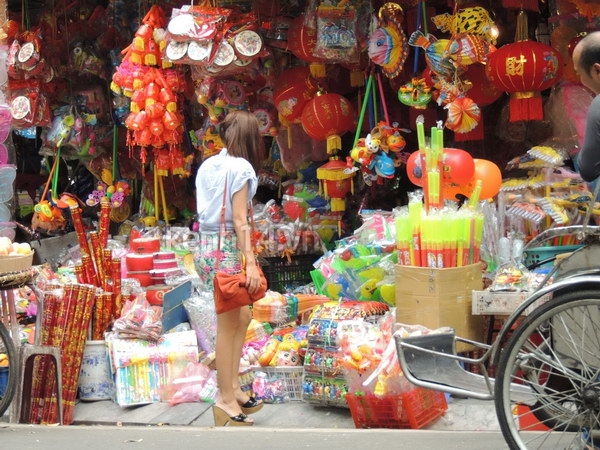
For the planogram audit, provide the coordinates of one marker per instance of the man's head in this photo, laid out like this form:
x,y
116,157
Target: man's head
x,y
586,61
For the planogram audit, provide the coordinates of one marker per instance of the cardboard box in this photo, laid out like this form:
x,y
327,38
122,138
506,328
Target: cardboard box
x,y
438,298
502,303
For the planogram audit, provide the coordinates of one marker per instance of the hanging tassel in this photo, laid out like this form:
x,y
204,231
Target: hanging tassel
x,y
526,106
139,44
357,78
135,57
334,144
150,59
318,70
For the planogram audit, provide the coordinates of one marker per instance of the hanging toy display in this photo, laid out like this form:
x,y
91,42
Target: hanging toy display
x,y
475,21
49,212
219,96
387,44
111,189
337,36
415,93
435,55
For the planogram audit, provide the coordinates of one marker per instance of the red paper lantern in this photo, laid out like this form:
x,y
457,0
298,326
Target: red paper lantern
x,y
523,69
326,117
482,91
302,40
293,89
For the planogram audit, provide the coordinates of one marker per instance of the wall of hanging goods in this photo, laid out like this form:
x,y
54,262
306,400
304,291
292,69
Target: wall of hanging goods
x,y
427,135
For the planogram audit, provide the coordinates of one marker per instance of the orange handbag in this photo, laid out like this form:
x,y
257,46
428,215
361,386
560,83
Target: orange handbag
x,y
230,289
231,292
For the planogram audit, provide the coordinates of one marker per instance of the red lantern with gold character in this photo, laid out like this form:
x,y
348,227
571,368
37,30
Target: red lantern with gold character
x,y
327,117
523,69
302,40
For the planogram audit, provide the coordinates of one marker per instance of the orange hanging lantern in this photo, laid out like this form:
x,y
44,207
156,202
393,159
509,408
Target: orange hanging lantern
x,y
171,120
168,98
326,117
523,69
301,41
335,182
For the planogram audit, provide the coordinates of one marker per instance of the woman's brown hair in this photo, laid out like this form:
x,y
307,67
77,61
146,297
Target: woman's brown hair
x,y
240,133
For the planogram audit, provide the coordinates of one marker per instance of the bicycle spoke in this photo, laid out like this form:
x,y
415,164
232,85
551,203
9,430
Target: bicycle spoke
x,y
555,352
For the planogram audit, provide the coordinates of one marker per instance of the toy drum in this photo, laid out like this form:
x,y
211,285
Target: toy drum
x,y
145,245
139,262
145,278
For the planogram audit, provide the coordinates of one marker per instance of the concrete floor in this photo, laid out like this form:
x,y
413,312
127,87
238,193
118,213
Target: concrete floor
x,y
461,415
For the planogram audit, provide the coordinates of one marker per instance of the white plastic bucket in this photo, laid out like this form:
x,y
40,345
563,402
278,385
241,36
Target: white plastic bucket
x,y
95,382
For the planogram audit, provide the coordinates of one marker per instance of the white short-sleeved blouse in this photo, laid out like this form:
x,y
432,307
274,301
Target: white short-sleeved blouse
x,y
210,182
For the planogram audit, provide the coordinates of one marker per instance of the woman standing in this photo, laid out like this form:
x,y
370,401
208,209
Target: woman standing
x,y
230,178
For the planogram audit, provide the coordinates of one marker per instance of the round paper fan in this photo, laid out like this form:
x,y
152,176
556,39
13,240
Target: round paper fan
x,y
463,115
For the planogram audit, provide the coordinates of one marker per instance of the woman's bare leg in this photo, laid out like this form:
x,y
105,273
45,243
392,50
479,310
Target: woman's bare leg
x,y
245,316
229,325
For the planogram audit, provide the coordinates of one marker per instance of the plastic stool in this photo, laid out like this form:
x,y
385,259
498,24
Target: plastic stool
x,y
27,355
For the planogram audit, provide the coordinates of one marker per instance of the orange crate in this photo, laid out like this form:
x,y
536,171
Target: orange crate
x,y
413,409
423,406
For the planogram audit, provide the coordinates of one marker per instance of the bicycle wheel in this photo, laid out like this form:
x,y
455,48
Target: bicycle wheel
x,y
8,369
547,394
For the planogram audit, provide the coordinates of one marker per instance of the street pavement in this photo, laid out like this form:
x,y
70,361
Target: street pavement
x,y
101,437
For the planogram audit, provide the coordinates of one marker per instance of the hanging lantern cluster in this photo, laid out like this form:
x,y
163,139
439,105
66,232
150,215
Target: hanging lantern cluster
x,y
154,119
524,69
150,41
449,61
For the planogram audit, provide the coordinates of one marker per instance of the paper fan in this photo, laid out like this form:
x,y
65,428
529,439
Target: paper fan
x,y
463,115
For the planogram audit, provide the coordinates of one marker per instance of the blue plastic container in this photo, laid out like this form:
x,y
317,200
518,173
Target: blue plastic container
x,y
3,380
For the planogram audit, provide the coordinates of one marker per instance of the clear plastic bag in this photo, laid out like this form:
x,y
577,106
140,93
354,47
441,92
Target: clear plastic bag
x,y
336,34
203,319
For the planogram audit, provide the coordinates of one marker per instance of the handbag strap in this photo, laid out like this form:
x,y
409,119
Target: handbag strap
x,y
223,226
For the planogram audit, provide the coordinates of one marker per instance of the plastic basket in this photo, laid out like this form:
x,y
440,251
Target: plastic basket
x,y
284,275
413,409
538,254
291,376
